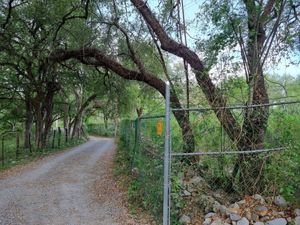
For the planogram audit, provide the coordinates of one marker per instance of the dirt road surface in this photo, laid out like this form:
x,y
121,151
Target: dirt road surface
x,y
69,188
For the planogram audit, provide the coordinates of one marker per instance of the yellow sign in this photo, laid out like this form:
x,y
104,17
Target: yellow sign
x,y
159,127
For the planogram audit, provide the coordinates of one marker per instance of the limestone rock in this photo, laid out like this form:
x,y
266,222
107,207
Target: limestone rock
x,y
278,221
243,221
217,222
297,220
265,218
184,219
186,193
216,206
259,198
259,223
234,217
232,210
280,201
248,215
205,202
261,210
223,210
241,202
255,217
207,221
235,205
209,215
297,212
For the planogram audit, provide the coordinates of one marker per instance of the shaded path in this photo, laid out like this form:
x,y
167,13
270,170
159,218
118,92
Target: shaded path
x,y
59,190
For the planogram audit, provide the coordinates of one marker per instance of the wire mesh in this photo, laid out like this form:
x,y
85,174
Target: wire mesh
x,y
219,170
13,150
144,142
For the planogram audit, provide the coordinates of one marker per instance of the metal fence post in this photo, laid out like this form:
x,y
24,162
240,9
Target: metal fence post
x,y
59,135
2,150
166,202
17,145
29,139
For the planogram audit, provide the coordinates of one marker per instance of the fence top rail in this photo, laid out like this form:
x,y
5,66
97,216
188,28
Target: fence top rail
x,y
203,109
229,152
151,117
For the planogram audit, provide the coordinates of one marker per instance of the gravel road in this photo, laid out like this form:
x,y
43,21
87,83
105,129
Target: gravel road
x,y
60,190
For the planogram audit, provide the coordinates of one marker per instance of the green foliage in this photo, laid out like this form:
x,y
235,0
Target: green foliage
x,y
282,172
101,130
25,156
140,151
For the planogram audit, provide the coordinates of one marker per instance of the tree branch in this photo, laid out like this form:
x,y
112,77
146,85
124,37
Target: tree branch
x,y
211,92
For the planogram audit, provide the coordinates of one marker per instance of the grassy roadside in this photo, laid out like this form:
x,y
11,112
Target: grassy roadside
x,y
26,157
127,183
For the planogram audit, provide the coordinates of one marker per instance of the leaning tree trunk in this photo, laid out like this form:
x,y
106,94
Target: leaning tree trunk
x,y
253,134
52,88
250,167
77,122
100,59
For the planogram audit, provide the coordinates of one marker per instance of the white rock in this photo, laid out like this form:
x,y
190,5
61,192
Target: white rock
x,y
196,180
297,220
259,223
297,212
216,206
280,201
186,193
208,215
254,217
207,221
235,205
218,222
217,195
184,219
259,198
223,209
234,217
241,202
243,221
278,221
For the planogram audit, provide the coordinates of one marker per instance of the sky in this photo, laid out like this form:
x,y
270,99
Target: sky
x,y
191,7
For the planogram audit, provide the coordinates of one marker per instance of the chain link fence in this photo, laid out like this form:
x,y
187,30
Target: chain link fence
x,y
217,170
143,143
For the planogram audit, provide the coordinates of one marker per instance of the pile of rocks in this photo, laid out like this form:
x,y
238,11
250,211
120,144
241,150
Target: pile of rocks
x,y
254,210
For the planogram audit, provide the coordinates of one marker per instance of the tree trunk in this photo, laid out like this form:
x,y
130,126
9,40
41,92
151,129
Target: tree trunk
x,y
99,59
256,119
52,87
28,122
39,126
77,122
66,116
